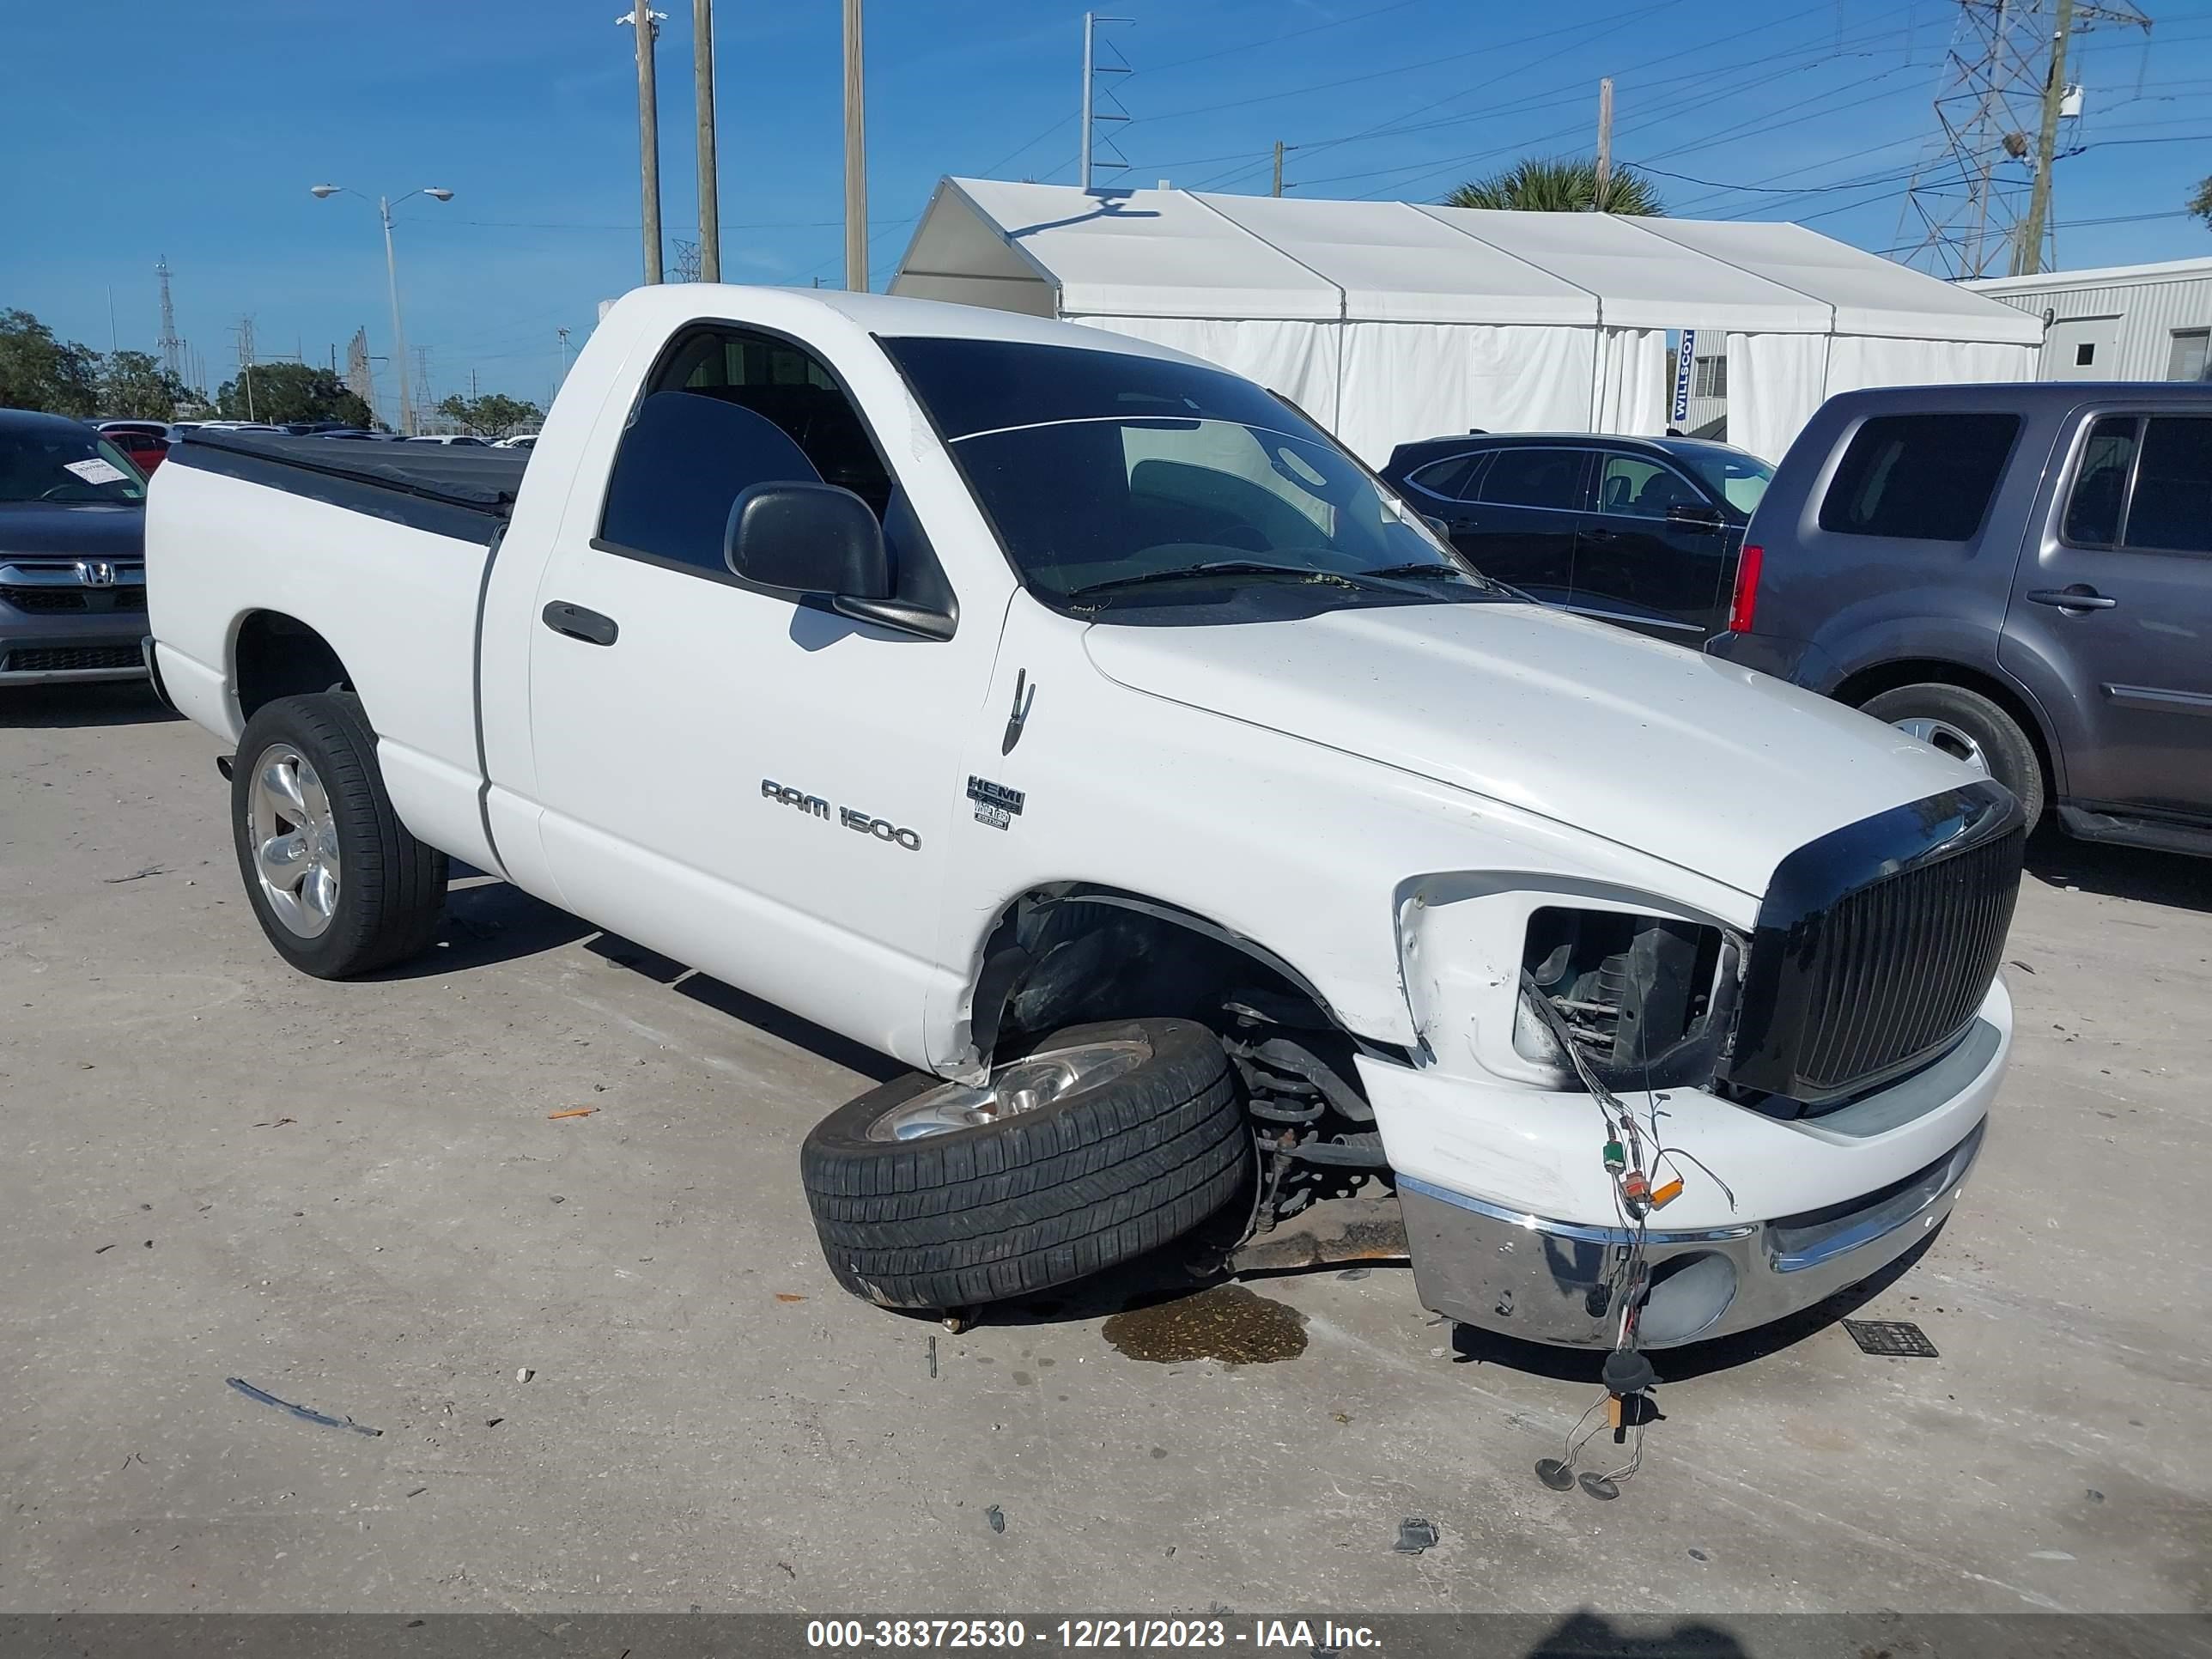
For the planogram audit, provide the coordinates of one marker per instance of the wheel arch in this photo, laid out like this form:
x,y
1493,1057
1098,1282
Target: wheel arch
x,y
1863,685
1157,955
274,654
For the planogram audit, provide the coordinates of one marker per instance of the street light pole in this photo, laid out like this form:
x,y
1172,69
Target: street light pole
x,y
398,334
384,206
856,154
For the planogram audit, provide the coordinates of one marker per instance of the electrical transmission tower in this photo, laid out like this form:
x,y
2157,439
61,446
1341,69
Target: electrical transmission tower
x,y
360,379
172,347
1982,199
1092,115
246,360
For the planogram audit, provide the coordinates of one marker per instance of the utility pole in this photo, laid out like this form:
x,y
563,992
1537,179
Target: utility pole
x,y
710,194
1278,189
422,386
1604,142
2028,252
856,157
647,22
564,334
1091,70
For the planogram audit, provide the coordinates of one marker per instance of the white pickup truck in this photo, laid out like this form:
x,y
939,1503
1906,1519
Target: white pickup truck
x,y
1078,723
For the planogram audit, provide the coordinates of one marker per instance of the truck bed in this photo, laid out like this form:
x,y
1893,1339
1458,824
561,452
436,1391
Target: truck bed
x,y
450,490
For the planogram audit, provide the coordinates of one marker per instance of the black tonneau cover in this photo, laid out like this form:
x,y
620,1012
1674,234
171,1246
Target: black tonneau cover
x,y
449,490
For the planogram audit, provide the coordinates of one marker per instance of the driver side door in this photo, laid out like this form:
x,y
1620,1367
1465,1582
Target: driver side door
x,y
747,781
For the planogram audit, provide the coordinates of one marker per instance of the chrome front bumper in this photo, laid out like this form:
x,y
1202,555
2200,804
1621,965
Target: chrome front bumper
x,y
1548,1281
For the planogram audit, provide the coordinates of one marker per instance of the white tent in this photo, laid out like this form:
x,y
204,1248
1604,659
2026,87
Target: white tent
x,y
1390,320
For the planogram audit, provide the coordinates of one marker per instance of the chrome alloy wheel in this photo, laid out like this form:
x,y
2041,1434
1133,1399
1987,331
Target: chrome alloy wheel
x,y
295,838
1020,1085
1941,734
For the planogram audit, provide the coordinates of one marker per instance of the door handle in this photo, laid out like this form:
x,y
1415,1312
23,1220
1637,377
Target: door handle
x,y
2079,596
579,624
1600,534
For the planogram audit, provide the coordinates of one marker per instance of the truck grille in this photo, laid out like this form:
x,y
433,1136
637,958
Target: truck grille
x,y
1901,965
50,660
1875,947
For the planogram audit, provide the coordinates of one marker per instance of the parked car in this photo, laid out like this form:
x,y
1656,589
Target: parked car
x,y
145,442
1641,532
461,440
1162,790
1407,457
2019,575
354,435
519,440
72,560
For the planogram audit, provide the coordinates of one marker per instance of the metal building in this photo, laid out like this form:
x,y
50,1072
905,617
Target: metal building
x,y
2123,322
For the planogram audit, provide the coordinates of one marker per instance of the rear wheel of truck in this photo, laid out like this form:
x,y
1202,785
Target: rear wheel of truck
x,y
1105,1142
1969,727
339,885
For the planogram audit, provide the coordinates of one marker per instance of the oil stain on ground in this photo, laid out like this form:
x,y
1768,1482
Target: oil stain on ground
x,y
1227,1322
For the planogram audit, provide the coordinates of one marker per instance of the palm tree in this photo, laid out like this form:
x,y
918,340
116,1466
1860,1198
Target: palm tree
x,y
1561,184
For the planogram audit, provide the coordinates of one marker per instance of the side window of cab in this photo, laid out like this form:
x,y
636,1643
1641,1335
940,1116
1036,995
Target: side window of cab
x,y
728,409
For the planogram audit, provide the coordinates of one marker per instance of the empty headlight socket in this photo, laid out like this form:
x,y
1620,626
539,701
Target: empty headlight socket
x,y
1651,1000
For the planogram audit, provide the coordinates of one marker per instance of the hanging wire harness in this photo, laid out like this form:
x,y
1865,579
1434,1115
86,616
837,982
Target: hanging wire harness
x,y
1635,1156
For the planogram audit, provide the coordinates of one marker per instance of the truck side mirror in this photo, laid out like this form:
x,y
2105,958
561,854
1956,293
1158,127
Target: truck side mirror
x,y
802,539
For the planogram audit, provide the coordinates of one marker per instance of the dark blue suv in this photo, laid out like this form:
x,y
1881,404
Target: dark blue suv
x,y
1643,532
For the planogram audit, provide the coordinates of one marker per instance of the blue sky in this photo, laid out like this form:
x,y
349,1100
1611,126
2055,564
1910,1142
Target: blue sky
x,y
133,131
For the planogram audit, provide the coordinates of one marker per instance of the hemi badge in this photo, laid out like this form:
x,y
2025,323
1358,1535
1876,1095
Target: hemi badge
x,y
995,805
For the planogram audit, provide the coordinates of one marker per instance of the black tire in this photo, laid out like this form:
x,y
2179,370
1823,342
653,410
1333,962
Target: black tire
x,y
2007,750
391,888
1041,1197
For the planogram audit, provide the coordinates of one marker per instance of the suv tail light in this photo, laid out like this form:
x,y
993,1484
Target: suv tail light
x,y
1745,606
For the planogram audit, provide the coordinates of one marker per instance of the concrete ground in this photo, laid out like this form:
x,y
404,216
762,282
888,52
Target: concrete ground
x,y
355,1197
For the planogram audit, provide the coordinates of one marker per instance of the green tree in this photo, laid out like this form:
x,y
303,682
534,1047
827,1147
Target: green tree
x,y
494,415
134,385
2201,202
291,392
37,371
1561,184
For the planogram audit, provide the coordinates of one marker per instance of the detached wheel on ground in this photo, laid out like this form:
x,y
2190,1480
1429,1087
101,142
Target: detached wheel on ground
x,y
339,885
1967,727
1106,1142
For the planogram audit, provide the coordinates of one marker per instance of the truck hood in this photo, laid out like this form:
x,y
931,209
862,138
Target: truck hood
x,y
71,530
1712,767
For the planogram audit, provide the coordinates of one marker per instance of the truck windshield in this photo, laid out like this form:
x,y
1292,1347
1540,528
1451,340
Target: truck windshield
x,y
1115,478
60,464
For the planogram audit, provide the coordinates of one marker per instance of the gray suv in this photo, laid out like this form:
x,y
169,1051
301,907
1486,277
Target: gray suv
x,y
2020,575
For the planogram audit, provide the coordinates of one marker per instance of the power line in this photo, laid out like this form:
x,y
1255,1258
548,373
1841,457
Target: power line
x,y
1276,40
1024,149
1820,52
1486,50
